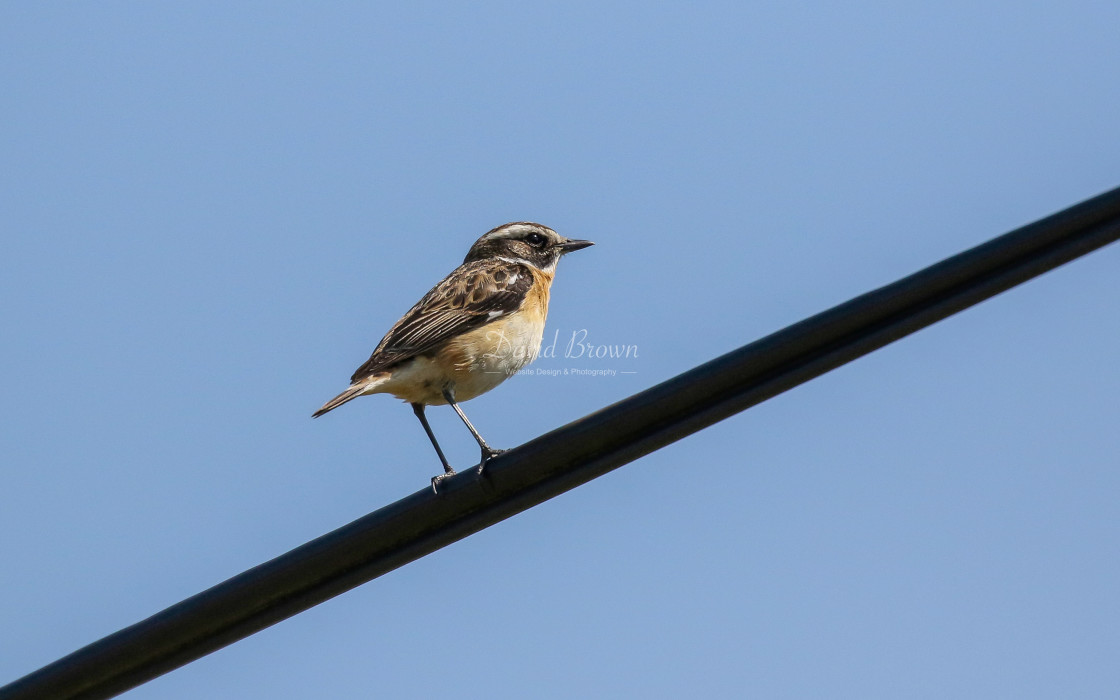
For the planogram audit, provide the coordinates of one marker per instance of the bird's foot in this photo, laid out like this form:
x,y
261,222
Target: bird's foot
x,y
488,453
437,479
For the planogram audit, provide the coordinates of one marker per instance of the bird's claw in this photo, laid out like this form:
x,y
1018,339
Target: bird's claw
x,y
438,478
487,455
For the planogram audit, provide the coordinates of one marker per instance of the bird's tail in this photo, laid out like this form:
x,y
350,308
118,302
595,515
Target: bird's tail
x,y
356,389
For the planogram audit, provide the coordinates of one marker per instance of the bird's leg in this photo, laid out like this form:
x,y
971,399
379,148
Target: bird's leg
x,y
418,409
487,451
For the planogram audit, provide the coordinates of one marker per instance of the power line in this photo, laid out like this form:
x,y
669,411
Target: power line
x,y
567,457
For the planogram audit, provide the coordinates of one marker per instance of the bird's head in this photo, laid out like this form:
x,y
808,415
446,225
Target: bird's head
x,y
525,242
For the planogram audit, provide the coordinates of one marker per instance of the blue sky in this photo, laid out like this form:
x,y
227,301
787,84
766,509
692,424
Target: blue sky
x,y
212,213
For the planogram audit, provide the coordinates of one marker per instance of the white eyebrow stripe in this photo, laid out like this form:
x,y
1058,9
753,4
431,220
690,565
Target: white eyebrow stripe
x,y
511,230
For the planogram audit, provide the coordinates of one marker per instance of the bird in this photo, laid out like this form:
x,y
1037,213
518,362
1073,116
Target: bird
x,y
480,325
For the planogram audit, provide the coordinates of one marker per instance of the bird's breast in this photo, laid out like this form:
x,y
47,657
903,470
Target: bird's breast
x,y
487,356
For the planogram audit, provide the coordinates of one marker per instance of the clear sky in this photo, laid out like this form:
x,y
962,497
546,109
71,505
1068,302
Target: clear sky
x,y
211,213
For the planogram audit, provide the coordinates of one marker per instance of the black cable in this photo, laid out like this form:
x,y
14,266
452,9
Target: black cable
x,y
567,457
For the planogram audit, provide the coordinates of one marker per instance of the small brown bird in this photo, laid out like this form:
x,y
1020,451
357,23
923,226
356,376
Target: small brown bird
x,y
474,329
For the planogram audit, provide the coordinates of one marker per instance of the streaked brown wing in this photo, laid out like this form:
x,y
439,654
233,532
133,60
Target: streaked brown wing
x,y
473,295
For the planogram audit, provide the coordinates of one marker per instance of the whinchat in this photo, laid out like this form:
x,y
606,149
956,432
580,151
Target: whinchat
x,y
481,324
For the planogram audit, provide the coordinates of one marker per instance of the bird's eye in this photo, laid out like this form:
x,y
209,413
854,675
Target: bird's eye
x,y
535,239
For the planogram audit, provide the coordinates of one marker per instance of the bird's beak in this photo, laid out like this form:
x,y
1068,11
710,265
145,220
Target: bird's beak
x,y
569,245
